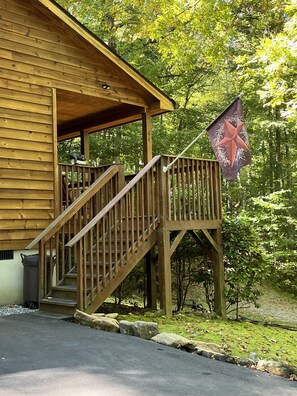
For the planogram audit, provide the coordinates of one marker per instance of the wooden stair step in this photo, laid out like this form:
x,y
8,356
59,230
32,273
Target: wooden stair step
x,y
58,305
64,291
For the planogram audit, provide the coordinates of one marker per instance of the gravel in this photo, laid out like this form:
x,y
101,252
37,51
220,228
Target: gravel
x,y
6,310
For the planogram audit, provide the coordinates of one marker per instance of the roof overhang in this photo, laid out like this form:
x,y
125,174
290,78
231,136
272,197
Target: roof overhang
x,y
76,112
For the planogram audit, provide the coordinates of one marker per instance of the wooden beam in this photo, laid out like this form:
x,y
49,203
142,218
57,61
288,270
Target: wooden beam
x,y
147,137
211,240
55,156
177,241
178,225
85,144
96,120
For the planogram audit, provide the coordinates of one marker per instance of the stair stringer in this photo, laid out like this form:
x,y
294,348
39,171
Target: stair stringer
x,y
122,272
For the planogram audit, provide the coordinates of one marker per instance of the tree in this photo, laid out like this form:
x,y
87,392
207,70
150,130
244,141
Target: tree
x,y
245,262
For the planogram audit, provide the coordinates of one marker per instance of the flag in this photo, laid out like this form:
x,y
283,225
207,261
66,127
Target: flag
x,y
229,140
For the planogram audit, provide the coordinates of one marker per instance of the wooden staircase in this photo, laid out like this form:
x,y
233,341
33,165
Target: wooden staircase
x,y
63,297
110,226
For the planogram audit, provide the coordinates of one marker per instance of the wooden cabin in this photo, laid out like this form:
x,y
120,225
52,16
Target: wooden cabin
x,y
90,226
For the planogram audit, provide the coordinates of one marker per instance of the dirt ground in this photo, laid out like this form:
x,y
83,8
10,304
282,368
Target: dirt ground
x,y
274,305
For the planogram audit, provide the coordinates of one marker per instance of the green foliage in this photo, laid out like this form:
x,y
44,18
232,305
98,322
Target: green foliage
x,y
245,262
278,230
238,339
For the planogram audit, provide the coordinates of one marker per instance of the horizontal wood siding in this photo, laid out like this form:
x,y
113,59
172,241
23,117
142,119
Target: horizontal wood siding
x,y
26,162
26,139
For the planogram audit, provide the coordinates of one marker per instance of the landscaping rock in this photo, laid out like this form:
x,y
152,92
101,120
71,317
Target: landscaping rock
x,y
275,368
208,347
146,330
98,322
112,315
127,327
172,340
141,329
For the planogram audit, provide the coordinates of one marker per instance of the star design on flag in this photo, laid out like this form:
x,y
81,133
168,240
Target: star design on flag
x,y
232,141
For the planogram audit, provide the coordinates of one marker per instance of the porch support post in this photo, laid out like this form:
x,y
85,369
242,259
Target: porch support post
x,y
147,137
219,277
85,144
147,156
164,251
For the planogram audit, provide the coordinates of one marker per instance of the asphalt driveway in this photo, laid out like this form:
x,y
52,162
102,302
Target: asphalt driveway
x,y
45,356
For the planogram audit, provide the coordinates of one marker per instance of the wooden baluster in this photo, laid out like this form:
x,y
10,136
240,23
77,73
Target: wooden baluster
x,y
80,275
188,192
91,259
193,190
132,221
142,208
116,230
97,236
203,194
85,270
42,252
137,213
121,212
103,251
109,228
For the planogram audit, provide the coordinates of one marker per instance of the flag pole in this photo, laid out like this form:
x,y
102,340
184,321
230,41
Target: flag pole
x,y
165,168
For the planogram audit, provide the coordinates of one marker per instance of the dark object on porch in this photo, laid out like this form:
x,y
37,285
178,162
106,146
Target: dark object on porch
x,y
77,159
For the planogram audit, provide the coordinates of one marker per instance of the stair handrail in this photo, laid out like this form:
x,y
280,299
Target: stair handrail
x,y
69,212
113,202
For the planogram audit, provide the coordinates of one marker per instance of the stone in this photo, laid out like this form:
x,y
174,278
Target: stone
x,y
201,346
145,330
275,368
98,322
112,315
127,327
245,362
172,340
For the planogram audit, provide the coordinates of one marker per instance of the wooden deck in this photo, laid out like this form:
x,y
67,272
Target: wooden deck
x,y
107,226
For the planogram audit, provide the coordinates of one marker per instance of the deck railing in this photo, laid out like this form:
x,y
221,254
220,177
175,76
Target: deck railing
x,y
74,180
194,189
105,245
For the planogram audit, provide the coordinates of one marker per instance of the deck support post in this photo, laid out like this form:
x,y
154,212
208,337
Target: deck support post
x,y
219,277
151,280
85,144
165,271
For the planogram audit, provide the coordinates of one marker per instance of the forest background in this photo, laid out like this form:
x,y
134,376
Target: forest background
x,y
203,53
